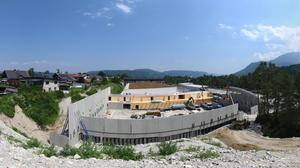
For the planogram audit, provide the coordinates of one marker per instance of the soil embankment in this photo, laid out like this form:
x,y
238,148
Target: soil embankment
x,y
249,140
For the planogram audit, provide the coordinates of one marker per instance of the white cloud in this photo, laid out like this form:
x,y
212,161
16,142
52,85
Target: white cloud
x,y
253,35
103,12
266,56
224,26
277,39
124,8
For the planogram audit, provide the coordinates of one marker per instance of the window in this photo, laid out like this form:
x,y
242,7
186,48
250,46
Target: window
x,y
152,98
124,98
55,82
126,106
47,82
136,107
109,98
181,97
169,98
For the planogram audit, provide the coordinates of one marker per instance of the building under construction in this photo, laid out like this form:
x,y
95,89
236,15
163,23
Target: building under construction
x,y
182,111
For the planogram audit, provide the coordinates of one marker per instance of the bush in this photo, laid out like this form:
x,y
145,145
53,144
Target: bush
x,y
76,98
89,150
7,106
209,154
121,152
32,143
167,148
91,91
76,91
49,151
59,94
69,151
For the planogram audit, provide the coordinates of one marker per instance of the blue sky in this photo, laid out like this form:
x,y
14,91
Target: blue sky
x,y
216,36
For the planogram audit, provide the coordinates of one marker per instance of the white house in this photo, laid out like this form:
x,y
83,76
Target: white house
x,y
50,85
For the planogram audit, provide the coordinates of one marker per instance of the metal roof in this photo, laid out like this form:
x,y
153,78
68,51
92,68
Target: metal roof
x,y
16,74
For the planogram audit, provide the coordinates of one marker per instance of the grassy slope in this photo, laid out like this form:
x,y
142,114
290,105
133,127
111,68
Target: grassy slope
x,y
42,107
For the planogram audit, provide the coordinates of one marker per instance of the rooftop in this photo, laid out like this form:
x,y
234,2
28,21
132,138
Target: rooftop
x,y
147,85
159,89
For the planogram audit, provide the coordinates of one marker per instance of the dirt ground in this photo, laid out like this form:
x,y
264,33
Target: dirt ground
x,y
249,140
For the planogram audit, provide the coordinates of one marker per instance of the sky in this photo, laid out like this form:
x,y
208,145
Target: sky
x,y
216,36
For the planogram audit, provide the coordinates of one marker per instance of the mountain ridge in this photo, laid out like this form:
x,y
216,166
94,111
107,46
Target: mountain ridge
x,y
150,73
281,61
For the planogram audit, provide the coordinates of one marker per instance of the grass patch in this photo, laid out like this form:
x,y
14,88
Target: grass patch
x,y
7,106
69,151
116,88
207,154
75,94
76,98
122,152
20,132
32,143
192,149
92,91
13,140
74,91
151,152
167,148
89,150
48,151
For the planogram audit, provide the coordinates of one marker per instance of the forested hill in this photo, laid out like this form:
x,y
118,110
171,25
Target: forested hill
x,y
292,68
283,60
149,73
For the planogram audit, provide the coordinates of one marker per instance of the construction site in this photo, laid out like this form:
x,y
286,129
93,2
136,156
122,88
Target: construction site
x,y
151,112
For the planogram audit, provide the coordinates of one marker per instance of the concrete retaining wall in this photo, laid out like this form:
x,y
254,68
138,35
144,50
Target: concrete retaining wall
x,y
244,98
58,139
134,131
116,129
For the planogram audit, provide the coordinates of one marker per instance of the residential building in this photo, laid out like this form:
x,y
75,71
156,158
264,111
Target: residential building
x,y
50,85
15,77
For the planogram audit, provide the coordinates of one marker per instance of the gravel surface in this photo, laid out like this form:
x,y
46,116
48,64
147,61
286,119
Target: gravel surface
x,y
13,156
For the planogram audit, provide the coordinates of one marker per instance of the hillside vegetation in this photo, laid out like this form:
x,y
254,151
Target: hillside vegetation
x,y
42,107
284,60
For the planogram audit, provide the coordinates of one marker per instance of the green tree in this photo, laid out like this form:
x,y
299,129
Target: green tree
x,y
31,72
